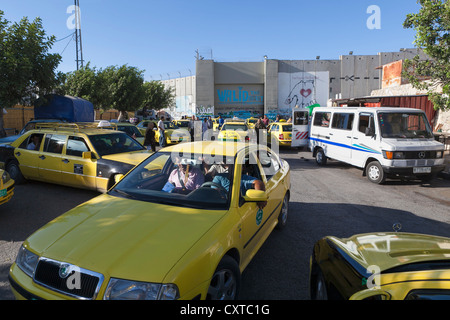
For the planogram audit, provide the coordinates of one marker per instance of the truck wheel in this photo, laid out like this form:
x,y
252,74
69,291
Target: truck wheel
x,y
321,159
375,173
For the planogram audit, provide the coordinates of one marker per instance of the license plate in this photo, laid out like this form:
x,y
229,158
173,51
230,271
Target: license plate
x,y
3,192
422,170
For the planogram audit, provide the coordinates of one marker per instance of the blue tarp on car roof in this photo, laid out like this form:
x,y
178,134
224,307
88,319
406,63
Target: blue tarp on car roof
x,y
70,109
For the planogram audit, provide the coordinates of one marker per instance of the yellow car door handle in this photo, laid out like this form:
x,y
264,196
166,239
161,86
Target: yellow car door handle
x,y
18,154
42,157
65,160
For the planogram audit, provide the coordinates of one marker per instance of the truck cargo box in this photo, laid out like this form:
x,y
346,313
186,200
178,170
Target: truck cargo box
x,y
66,108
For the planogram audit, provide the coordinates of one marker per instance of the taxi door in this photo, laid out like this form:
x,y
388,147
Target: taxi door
x,y
50,158
28,157
75,170
256,223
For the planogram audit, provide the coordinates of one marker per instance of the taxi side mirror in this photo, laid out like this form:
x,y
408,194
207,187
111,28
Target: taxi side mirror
x,y
371,294
88,155
255,196
118,177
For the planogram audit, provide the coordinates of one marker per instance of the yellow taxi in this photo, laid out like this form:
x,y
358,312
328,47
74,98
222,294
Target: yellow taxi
x,y
381,266
129,129
280,132
234,130
172,132
184,224
251,122
182,123
6,187
73,155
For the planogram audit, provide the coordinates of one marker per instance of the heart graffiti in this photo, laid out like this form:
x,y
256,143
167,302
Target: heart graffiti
x,y
305,93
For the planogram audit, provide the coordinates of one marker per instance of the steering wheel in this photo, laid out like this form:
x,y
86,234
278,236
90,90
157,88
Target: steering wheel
x,y
223,192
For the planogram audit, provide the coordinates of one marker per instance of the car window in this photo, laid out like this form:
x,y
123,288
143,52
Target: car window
x,y
322,119
270,163
343,121
250,170
32,142
76,146
179,180
233,126
112,143
364,120
287,127
54,143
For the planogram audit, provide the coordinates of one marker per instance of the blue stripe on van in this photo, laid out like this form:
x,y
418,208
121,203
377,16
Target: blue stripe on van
x,y
353,147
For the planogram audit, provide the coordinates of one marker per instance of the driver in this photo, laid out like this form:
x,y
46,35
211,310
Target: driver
x,y
186,176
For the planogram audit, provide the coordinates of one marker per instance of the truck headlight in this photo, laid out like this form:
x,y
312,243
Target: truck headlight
x,y
27,261
391,155
439,154
119,289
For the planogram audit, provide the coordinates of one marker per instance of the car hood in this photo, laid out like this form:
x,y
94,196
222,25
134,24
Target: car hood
x,y
123,238
9,139
129,157
389,250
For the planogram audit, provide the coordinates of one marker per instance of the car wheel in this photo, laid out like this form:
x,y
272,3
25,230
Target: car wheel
x,y
320,288
282,217
375,173
14,171
321,159
226,280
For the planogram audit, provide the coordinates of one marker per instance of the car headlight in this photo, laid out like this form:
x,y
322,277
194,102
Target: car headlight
x,y
439,154
27,261
5,177
391,155
119,289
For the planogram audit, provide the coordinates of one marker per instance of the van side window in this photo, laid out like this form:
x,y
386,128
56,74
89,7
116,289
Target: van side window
x,y
364,120
343,121
322,119
300,118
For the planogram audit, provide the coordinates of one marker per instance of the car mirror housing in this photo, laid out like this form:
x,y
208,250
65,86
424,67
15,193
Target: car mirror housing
x,y
88,155
255,196
371,294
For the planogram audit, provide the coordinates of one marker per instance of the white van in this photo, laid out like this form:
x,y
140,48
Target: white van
x,y
384,142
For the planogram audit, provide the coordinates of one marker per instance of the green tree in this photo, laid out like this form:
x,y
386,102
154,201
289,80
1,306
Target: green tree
x,y
432,26
157,97
27,69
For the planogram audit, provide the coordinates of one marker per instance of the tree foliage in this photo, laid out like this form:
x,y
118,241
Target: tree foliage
x,y
27,69
157,96
432,26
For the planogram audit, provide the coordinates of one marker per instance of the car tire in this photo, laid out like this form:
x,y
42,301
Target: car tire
x,y
321,158
375,173
14,171
282,217
226,280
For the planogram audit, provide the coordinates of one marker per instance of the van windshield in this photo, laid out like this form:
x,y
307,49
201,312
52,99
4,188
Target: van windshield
x,y
404,125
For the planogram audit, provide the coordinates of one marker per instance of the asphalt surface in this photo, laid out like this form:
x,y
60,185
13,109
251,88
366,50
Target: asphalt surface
x,y
332,200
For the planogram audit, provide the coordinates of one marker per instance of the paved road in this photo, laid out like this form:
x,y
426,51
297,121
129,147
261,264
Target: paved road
x,y
332,200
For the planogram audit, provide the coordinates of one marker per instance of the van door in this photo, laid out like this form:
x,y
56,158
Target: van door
x,y
364,145
341,136
300,128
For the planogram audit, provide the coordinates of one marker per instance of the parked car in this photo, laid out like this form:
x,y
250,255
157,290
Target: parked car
x,y
145,239
280,132
73,155
6,187
234,130
381,266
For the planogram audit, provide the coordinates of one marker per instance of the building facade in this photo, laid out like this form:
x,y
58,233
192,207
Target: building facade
x,y
276,86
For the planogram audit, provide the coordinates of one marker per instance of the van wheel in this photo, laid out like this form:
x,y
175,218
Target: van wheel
x,y
375,173
321,159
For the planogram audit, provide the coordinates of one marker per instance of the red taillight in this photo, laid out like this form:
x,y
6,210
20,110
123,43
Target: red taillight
x,y
281,137
247,138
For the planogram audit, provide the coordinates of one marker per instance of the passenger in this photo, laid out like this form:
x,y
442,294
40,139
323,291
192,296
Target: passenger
x,y
247,182
185,178
35,143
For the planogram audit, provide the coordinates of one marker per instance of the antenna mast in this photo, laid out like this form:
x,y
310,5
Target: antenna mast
x,y
79,46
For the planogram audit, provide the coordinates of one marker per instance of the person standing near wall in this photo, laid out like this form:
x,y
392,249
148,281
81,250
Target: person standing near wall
x,y
162,137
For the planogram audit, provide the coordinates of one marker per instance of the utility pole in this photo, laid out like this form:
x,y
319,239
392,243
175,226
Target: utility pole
x,y
79,46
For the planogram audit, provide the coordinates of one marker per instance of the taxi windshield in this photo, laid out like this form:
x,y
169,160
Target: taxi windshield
x,y
404,125
179,180
112,143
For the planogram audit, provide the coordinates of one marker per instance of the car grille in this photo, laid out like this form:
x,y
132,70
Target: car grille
x,y
420,154
84,285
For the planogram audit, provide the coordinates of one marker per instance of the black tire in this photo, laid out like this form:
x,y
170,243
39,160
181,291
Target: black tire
x,y
282,217
375,173
321,159
14,171
226,281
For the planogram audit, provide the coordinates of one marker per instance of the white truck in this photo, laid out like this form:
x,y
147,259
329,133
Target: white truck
x,y
384,142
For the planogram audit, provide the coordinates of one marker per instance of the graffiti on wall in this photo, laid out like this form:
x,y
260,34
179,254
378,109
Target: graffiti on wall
x,y
302,89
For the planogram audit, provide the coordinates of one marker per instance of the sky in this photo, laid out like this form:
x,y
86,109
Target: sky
x,y
161,37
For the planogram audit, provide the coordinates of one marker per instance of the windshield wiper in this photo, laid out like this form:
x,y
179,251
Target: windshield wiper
x,y
123,193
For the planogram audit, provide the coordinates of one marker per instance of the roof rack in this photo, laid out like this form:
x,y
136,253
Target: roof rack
x,y
69,126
